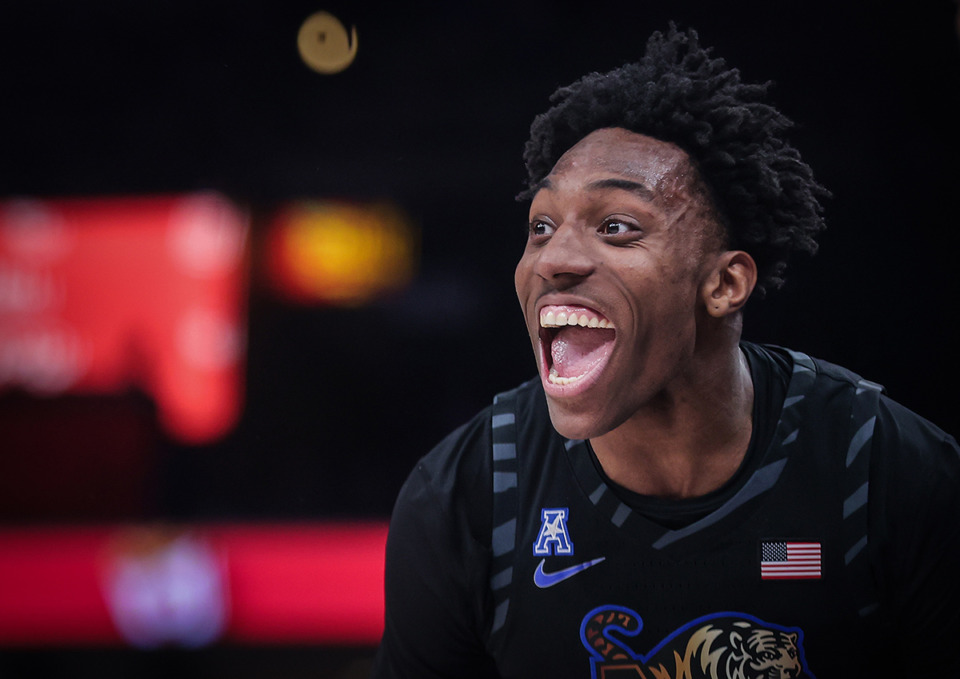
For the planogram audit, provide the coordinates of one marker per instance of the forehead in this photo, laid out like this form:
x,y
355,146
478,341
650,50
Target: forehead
x,y
658,165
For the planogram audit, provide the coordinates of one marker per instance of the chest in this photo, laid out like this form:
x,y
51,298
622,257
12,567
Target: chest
x,y
772,583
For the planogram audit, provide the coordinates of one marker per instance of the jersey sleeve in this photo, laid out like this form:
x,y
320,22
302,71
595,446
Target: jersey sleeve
x,y
917,486
436,571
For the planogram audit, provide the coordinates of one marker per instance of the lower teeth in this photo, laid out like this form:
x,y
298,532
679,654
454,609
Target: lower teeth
x,y
555,378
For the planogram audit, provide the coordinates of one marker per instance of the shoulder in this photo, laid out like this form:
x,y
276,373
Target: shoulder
x,y
465,453
458,461
916,460
907,444
899,432
448,490
914,472
816,373
827,374
453,483
437,599
911,430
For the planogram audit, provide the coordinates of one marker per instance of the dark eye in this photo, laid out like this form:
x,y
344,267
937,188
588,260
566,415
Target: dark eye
x,y
618,227
538,227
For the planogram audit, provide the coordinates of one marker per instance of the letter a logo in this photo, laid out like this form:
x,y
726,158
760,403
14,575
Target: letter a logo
x,y
553,537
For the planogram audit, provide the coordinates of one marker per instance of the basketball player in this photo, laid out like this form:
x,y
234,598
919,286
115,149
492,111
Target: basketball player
x,y
666,499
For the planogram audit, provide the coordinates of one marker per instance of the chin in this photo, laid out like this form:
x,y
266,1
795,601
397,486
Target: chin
x,y
573,425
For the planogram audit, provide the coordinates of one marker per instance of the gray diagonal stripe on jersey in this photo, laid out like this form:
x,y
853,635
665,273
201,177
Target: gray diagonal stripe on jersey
x,y
856,500
793,400
619,516
503,481
503,537
597,495
762,480
860,439
863,421
504,451
502,579
570,443
791,437
853,551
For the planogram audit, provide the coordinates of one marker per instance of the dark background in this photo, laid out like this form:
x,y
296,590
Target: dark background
x,y
114,98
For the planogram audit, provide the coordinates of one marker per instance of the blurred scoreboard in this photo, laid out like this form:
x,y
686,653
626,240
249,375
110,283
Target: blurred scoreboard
x,y
192,585
102,295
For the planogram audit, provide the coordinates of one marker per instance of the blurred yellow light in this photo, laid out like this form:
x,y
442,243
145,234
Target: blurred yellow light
x,y
324,44
341,253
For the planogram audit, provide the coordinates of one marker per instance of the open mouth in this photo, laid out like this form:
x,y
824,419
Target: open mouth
x,y
575,343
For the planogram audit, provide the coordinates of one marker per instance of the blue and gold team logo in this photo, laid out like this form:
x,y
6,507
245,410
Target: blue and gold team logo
x,y
717,646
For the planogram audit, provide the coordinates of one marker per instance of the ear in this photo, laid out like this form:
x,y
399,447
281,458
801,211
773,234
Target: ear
x,y
730,284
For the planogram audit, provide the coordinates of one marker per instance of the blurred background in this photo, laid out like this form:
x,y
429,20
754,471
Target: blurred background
x,y
256,260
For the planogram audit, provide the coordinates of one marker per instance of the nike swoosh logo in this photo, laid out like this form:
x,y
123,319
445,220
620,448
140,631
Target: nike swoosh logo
x,y
544,580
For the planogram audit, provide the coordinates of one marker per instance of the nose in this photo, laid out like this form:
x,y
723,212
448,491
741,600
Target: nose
x,y
565,258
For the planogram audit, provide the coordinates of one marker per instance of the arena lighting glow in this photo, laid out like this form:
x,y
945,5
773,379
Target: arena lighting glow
x,y
339,253
324,44
99,295
192,585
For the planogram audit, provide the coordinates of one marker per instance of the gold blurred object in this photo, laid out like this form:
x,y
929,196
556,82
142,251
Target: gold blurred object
x,y
324,44
341,253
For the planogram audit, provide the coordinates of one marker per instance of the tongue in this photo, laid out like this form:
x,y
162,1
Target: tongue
x,y
575,350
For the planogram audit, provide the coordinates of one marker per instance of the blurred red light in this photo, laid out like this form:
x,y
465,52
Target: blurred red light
x,y
98,295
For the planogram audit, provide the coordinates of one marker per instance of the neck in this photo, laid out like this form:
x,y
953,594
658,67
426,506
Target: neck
x,y
692,438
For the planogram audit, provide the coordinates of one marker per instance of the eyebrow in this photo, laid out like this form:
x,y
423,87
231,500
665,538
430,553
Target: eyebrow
x,y
638,188
544,183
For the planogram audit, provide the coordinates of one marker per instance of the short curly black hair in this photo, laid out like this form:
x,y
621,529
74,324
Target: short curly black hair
x,y
765,196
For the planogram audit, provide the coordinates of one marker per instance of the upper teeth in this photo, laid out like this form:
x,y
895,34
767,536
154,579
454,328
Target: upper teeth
x,y
552,319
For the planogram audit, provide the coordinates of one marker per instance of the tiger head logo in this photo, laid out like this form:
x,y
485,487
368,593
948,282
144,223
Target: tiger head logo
x,y
760,653
722,646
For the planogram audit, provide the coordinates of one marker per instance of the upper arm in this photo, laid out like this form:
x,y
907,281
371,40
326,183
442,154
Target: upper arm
x,y
436,583
919,493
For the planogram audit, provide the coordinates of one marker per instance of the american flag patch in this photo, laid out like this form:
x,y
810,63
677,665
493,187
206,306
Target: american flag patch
x,y
789,560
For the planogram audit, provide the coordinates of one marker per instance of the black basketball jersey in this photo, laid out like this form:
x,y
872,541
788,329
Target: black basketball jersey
x,y
532,565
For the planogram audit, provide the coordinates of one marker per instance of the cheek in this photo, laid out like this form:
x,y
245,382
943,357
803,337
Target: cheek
x,y
521,276
668,316
680,289
683,267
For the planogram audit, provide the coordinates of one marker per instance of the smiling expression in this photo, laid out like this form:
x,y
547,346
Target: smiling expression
x,y
620,245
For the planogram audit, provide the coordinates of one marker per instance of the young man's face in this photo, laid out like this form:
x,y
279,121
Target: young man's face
x,y
620,245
